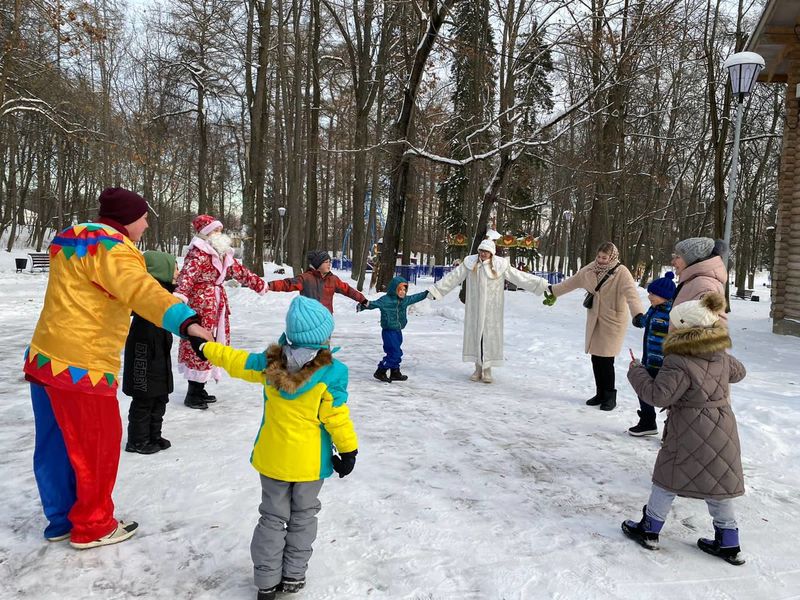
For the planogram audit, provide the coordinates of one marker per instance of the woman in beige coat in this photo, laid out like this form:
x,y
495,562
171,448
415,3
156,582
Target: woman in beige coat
x,y
607,319
700,455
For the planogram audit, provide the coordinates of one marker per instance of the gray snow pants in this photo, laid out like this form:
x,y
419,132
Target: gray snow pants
x,y
281,545
721,511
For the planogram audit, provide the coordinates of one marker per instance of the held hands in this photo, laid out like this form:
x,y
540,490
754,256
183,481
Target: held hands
x,y
198,331
197,345
638,321
361,306
549,297
343,463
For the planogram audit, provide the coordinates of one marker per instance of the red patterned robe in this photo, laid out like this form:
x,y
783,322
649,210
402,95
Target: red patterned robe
x,y
200,286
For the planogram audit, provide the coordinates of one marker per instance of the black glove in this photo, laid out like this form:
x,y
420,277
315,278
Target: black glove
x,y
638,321
362,305
196,342
343,463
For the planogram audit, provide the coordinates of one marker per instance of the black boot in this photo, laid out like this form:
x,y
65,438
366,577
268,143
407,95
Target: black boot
x,y
156,420
397,375
291,585
193,397
205,395
269,593
595,400
725,545
643,427
609,400
645,532
381,375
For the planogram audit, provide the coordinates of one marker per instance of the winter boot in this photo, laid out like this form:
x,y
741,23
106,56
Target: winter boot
x,y
725,545
269,593
609,400
595,400
643,427
194,398
645,532
476,376
397,375
163,443
205,395
381,375
143,448
291,585
486,375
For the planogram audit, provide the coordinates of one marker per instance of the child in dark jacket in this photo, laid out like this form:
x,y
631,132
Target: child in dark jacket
x,y
656,325
393,306
305,414
147,371
700,455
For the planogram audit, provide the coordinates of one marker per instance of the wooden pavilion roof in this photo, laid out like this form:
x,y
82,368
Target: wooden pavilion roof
x,y
775,36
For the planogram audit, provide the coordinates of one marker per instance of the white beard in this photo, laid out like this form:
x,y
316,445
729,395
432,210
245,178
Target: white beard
x,y
220,242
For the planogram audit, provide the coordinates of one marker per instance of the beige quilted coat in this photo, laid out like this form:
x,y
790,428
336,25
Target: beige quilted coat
x,y
700,455
608,319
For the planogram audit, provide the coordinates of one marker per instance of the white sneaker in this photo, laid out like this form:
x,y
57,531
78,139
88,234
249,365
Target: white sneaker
x,y
124,530
487,375
476,376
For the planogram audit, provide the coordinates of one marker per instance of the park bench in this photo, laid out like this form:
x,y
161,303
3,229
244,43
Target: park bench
x,y
40,260
743,293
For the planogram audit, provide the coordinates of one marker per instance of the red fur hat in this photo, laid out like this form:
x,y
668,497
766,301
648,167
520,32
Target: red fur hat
x,y
205,224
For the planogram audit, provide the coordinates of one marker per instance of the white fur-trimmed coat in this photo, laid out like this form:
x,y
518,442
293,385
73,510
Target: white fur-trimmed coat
x,y
483,315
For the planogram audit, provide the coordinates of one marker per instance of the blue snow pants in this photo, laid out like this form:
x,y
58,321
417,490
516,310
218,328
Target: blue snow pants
x,y
52,469
392,340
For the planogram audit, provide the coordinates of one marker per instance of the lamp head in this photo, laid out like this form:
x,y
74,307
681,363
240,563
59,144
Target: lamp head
x,y
743,69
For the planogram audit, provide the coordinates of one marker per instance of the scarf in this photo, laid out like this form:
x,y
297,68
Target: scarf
x,y
601,270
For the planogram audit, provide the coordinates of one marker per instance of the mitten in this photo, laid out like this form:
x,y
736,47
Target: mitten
x,y
343,463
197,343
638,321
361,306
549,297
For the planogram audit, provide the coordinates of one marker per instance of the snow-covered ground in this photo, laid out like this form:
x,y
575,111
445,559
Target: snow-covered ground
x,y
462,490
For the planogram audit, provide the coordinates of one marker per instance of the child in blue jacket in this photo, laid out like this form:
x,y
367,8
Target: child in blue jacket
x,y
656,324
393,306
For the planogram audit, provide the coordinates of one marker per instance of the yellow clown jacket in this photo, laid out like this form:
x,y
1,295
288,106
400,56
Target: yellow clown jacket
x,y
97,277
304,412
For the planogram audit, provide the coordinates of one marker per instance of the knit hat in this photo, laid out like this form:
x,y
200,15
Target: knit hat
x,y
694,250
697,313
121,205
487,245
160,265
308,323
663,287
205,224
317,257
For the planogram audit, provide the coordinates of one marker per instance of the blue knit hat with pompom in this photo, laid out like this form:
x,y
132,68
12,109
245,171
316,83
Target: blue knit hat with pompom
x,y
663,287
308,324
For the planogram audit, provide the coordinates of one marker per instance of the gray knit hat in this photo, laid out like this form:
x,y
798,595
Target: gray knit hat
x,y
693,250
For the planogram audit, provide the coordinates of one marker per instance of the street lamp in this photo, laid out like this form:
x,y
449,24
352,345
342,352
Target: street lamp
x,y
281,212
567,214
743,69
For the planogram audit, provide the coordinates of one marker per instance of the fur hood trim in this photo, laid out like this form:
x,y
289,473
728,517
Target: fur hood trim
x,y
697,341
279,377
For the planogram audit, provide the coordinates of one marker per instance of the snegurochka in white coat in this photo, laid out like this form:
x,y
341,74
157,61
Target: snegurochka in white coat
x,y
486,275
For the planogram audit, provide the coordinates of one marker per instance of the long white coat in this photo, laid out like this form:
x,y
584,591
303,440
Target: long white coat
x,y
483,316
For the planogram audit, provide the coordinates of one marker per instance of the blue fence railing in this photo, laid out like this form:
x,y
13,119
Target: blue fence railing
x,y
552,277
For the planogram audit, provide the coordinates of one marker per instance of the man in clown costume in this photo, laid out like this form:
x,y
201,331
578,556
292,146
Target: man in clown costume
x,y
208,264
97,277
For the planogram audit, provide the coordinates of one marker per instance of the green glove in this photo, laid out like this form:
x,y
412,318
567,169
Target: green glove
x,y
549,297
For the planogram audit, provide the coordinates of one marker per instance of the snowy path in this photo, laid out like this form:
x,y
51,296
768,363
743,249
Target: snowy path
x,y
462,490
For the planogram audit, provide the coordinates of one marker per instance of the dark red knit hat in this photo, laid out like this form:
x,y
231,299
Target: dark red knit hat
x,y
121,205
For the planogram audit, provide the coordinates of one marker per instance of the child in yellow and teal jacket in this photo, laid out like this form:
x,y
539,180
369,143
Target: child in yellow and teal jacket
x,y
305,414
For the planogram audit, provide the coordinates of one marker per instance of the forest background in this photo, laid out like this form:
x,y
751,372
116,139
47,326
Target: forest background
x,y
419,121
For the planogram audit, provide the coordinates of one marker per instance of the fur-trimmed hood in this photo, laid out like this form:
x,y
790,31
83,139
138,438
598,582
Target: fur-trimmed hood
x,y
279,377
697,341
